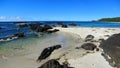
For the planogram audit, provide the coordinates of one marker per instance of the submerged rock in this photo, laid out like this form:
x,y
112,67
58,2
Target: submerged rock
x,y
47,52
46,27
64,26
111,46
34,26
73,24
54,64
19,35
89,38
89,46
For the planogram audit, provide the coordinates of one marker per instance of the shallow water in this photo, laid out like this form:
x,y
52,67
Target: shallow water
x,y
23,52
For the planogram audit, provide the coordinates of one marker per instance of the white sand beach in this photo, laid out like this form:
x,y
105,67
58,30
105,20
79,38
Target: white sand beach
x,y
78,58
93,59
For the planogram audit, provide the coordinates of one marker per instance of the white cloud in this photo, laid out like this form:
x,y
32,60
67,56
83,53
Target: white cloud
x,y
3,17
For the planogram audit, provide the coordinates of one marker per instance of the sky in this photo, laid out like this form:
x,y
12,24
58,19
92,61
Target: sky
x,y
57,10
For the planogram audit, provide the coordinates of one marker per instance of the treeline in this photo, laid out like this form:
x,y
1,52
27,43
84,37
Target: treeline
x,y
115,19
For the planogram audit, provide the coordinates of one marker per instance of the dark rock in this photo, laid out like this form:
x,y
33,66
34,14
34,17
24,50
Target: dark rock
x,y
46,27
34,26
54,64
52,31
111,46
101,40
19,35
39,29
97,49
88,46
54,25
0,27
47,52
64,26
21,25
107,35
60,23
72,24
89,38
77,47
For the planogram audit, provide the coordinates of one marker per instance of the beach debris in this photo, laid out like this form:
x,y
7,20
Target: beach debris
x,y
88,46
89,38
47,52
54,64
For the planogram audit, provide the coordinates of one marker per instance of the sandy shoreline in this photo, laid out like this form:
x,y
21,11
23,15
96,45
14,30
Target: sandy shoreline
x,y
77,58
92,60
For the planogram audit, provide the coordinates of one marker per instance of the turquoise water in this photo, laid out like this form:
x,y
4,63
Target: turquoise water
x,y
34,44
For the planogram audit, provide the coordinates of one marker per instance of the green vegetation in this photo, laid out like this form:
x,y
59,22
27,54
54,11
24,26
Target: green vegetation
x,y
115,19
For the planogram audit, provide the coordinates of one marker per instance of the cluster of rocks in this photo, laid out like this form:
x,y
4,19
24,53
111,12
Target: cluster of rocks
x,y
52,63
46,28
18,35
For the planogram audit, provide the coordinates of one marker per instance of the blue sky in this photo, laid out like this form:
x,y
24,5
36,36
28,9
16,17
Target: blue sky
x,y
76,10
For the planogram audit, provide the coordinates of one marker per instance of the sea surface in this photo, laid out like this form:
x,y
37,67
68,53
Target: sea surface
x,y
10,28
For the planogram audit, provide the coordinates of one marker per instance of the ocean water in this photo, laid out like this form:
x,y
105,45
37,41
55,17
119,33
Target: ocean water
x,y
10,28
22,50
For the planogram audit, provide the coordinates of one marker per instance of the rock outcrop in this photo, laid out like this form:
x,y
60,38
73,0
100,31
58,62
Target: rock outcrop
x,y
19,35
54,64
111,46
47,52
89,46
89,38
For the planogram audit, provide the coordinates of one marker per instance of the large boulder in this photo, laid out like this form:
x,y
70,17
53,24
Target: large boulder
x,y
34,26
89,46
89,38
111,46
54,64
47,52
46,27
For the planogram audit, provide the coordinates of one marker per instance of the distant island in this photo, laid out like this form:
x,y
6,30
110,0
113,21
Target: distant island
x,y
114,19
